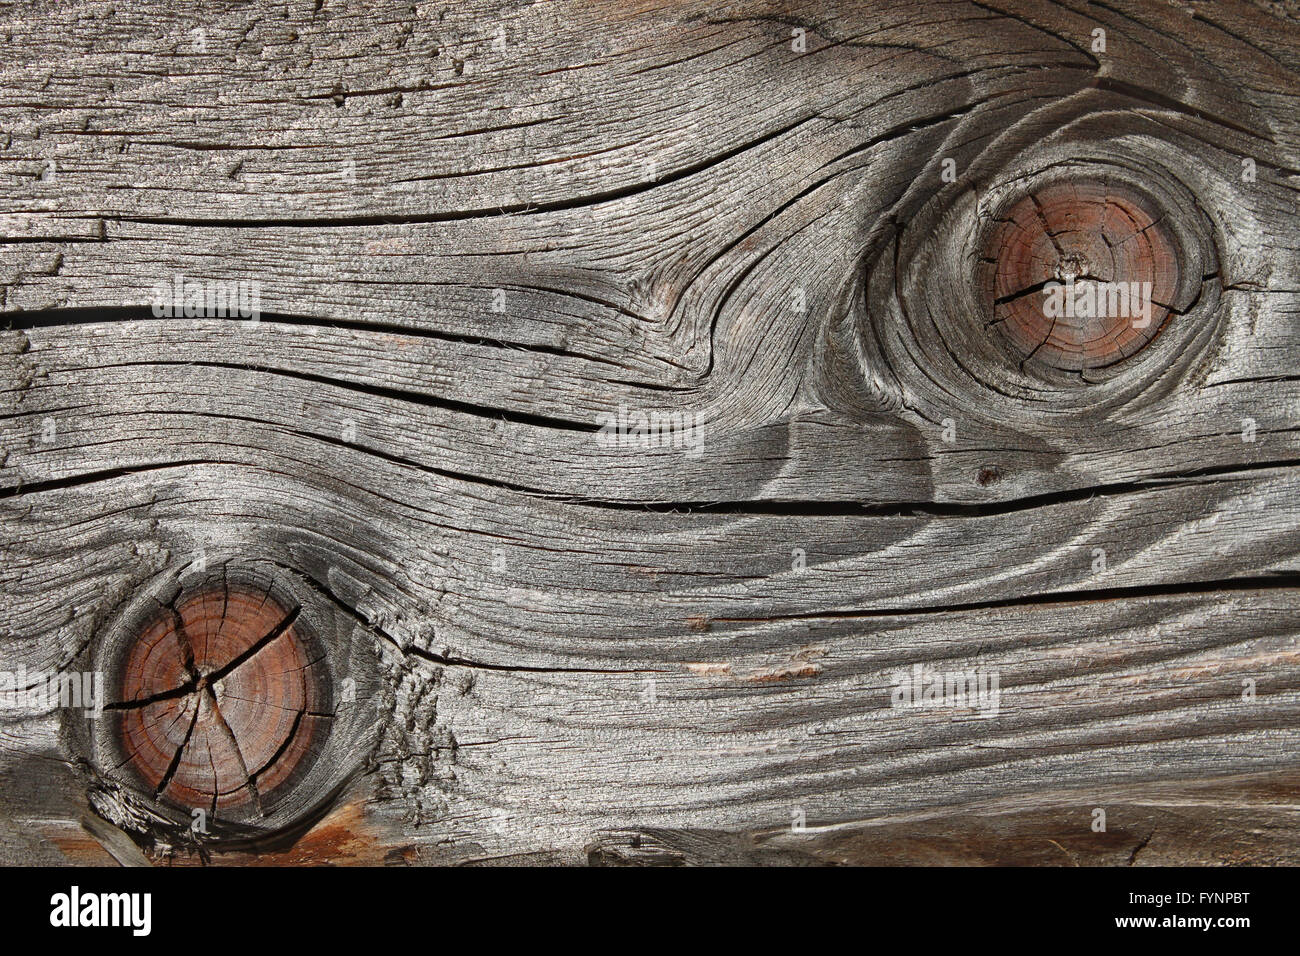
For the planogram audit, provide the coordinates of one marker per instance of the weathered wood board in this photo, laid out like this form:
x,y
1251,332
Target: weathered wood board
x,y
477,240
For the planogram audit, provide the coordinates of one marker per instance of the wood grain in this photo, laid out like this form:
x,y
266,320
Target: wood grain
x,y
485,237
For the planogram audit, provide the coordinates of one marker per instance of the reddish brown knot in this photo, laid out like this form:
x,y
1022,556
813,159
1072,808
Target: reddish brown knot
x,y
1076,276
220,700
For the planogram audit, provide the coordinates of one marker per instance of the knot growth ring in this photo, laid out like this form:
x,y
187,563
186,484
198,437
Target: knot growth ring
x,y
220,701
1079,275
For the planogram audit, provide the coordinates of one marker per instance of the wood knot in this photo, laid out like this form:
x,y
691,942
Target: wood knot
x,y
221,699
1075,276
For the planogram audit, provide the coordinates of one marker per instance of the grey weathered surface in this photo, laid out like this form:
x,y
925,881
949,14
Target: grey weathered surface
x,y
577,640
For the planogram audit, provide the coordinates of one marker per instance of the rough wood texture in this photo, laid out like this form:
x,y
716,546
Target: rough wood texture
x,y
487,240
